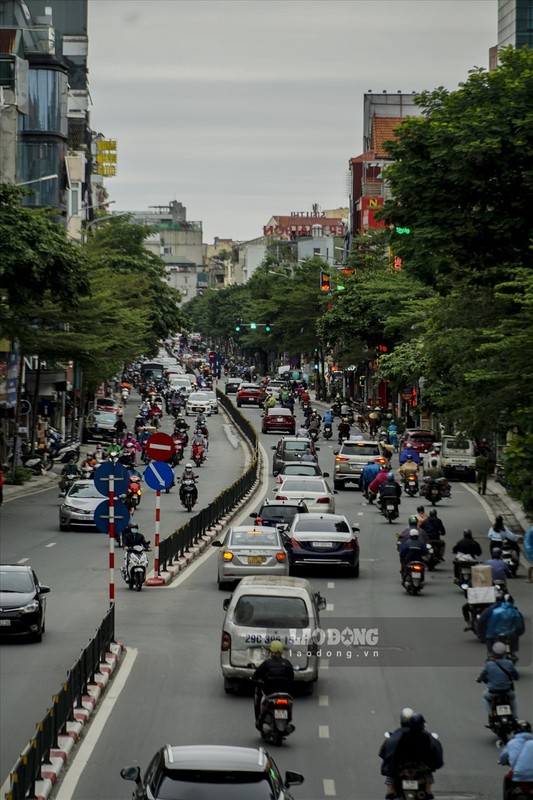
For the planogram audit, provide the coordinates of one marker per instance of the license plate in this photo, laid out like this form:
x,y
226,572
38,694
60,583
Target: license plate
x,y
322,544
255,559
281,713
5,622
415,574
460,467
280,419
503,711
409,784
353,467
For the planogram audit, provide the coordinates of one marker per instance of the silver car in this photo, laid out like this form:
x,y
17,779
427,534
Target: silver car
x,y
313,491
79,505
250,550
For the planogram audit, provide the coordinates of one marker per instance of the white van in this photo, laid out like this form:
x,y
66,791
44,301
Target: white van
x,y
458,457
261,610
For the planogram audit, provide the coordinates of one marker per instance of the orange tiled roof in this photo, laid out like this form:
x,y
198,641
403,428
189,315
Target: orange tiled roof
x,y
383,131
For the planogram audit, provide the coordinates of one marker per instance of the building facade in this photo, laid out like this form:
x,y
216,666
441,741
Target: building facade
x,y
515,23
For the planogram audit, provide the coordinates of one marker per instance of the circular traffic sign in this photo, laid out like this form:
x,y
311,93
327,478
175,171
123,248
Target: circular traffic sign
x,y
103,473
158,475
121,516
160,446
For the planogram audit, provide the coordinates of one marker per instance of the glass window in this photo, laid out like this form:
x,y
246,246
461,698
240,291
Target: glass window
x,y
12,581
37,159
297,446
254,539
295,485
268,611
79,490
322,526
279,512
357,449
213,785
47,102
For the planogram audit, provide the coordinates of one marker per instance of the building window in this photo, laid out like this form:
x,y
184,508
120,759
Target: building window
x,y
74,200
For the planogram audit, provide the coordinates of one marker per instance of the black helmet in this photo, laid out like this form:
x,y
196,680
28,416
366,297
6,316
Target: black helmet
x,y
467,533
420,510
417,722
433,512
496,553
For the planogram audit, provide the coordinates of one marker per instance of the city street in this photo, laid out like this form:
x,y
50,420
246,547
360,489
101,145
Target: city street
x,y
174,692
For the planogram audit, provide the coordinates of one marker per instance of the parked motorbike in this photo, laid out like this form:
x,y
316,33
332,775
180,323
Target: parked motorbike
x,y
410,485
38,463
198,454
187,493
275,722
413,577
61,451
328,431
135,567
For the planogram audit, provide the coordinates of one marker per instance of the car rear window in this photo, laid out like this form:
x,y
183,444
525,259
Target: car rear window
x,y
268,611
322,525
213,785
295,485
296,446
279,412
360,449
299,469
254,538
279,512
421,437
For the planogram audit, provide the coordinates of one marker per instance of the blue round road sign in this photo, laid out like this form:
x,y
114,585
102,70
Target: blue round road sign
x,y
101,516
158,475
103,473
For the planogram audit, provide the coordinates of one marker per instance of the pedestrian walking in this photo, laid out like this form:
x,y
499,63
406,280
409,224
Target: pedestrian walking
x,y
482,472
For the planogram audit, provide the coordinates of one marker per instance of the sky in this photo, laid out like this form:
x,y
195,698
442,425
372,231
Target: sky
x,y
245,109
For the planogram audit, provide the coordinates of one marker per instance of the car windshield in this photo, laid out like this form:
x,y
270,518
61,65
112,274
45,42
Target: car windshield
x,y
360,449
279,512
103,417
213,785
83,490
269,611
302,445
14,581
254,539
307,485
323,525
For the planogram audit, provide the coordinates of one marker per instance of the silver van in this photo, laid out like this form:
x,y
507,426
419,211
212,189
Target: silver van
x,y
261,610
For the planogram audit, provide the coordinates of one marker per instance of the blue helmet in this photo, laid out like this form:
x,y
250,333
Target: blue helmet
x,y
390,476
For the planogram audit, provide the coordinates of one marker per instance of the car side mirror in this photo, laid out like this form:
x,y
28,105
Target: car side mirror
x,y
273,447
335,491
225,604
325,474
216,543
356,529
317,448
44,589
131,774
293,778
335,452
320,601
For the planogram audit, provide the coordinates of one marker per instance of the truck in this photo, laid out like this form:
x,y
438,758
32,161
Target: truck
x,y
458,457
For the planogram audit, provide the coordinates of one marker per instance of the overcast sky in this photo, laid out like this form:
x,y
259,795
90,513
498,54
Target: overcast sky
x,y
241,109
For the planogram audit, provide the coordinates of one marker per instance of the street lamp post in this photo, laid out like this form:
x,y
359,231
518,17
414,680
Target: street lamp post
x,y
37,180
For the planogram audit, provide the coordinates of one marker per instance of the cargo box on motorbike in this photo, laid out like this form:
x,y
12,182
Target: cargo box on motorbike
x,y
482,575
477,595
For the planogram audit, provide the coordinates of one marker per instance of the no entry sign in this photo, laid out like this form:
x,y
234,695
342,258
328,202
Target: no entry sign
x,y
160,447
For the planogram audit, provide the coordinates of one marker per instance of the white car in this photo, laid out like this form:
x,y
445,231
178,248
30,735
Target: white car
x,y
250,550
214,400
177,383
198,402
313,491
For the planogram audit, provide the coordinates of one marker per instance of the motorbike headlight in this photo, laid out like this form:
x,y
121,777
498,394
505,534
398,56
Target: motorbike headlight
x,y
31,607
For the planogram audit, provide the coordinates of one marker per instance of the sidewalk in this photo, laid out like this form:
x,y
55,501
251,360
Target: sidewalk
x,y
38,483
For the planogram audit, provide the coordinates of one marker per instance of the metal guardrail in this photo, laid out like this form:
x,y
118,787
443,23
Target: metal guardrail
x,y
27,770
181,540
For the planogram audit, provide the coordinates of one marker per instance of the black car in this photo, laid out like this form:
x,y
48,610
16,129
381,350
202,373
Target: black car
x,y
22,602
212,772
100,427
279,512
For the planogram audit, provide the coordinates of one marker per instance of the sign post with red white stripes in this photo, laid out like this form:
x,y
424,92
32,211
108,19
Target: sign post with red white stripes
x,y
160,447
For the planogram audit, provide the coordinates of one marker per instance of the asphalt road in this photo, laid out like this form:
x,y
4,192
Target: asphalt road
x,y
173,688
75,565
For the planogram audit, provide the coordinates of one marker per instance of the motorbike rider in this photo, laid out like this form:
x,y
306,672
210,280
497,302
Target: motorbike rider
x,y
433,471
302,431
500,570
390,488
410,744
313,428
308,456
409,451
343,429
518,754
505,622
270,402
369,472
89,462
99,455
409,467
189,475
467,545
69,471
434,528
380,478
412,523
420,516
498,673
500,535
392,432
327,419
276,674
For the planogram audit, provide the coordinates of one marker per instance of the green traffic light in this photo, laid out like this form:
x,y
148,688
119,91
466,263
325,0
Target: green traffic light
x,y
267,328
402,230
253,326
341,288
237,327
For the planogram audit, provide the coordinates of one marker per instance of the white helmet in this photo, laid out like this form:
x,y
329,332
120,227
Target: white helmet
x,y
188,465
413,533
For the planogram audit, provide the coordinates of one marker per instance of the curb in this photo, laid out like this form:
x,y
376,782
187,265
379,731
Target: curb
x,y
41,484
59,757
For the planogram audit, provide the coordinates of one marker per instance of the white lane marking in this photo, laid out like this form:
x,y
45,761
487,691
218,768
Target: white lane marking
x,y
323,700
52,544
331,584
329,787
22,560
360,513
191,569
330,606
323,731
90,740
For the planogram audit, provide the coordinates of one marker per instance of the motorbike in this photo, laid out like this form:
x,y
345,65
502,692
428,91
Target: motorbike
x,y
410,485
275,722
124,396
462,566
517,791
179,444
198,454
313,435
501,721
411,782
413,576
67,481
389,508
431,490
87,473
511,558
328,431
133,494
187,493
62,451
38,463
135,567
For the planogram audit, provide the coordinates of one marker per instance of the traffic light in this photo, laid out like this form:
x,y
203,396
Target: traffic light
x,y
267,327
237,327
340,287
325,282
316,357
361,380
253,326
401,230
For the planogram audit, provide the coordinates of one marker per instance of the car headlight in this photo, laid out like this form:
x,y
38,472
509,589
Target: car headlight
x,y
31,607
73,509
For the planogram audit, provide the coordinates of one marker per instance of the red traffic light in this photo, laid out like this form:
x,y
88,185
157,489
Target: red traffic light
x,y
325,282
